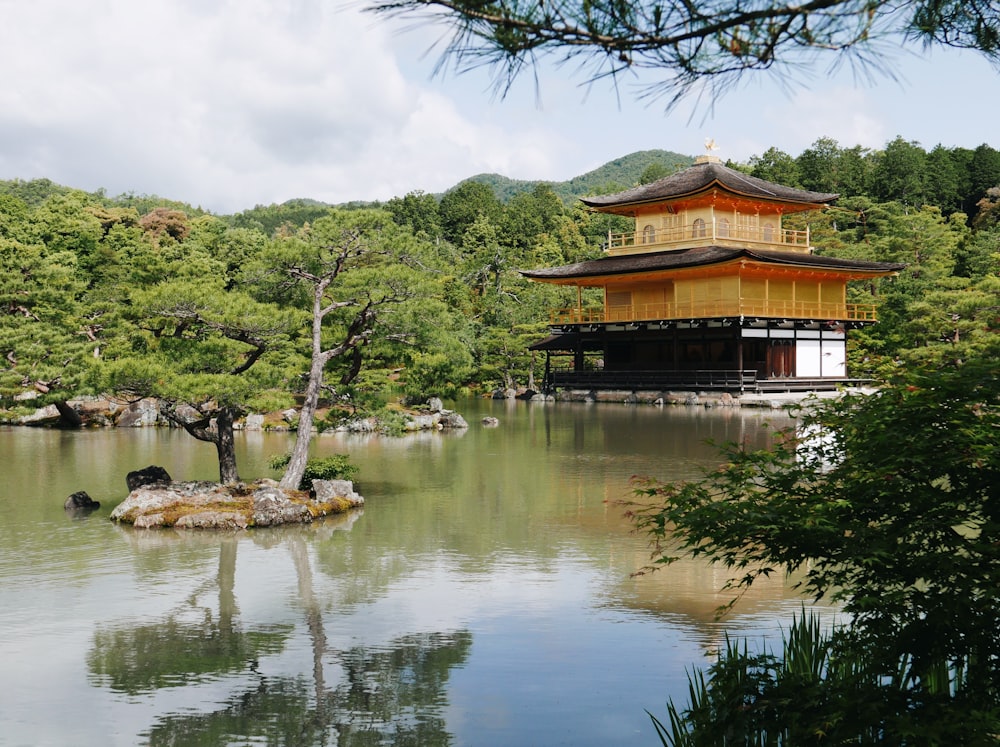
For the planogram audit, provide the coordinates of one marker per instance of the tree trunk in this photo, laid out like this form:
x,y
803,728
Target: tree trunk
x,y
300,452
357,334
225,445
221,436
68,417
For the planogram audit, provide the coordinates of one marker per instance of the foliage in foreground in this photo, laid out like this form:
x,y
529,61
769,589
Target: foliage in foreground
x,y
889,504
694,45
819,692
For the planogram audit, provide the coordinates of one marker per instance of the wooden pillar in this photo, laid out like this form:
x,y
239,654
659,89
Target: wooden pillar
x,y
739,354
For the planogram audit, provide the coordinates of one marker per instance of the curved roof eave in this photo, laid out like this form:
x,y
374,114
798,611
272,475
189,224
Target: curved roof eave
x,y
702,177
700,257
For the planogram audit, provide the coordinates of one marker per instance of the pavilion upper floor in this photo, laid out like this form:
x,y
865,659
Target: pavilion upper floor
x,y
658,228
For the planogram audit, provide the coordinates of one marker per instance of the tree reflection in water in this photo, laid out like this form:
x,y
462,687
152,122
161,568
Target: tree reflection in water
x,y
382,698
189,645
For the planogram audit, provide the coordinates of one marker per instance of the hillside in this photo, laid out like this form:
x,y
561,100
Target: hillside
x,y
618,174
615,175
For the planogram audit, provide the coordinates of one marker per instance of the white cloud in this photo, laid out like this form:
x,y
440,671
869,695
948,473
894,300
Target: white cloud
x,y
232,103
229,104
841,113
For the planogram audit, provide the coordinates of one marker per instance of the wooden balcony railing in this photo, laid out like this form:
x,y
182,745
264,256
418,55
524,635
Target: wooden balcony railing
x,y
713,309
701,233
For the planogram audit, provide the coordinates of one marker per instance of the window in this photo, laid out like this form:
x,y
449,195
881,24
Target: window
x,y
648,234
699,230
768,232
723,227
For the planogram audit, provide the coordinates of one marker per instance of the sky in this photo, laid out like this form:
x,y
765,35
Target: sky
x,y
229,104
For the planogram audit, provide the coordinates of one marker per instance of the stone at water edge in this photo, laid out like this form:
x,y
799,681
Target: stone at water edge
x,y
325,491
207,505
450,419
81,501
147,476
272,507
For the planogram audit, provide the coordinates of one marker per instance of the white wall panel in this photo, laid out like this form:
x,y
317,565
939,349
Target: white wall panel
x,y
834,358
807,359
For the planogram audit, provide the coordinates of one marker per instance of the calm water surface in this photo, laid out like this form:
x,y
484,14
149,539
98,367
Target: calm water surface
x,y
484,596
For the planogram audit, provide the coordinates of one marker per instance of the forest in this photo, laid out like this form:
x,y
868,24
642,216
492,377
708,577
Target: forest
x,y
421,295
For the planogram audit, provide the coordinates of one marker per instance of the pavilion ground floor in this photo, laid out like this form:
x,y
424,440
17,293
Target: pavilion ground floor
x,y
723,354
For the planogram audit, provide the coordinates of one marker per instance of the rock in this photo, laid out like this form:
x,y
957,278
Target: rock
x,y
207,505
80,501
187,414
155,499
148,476
362,425
615,396
48,415
325,491
691,399
422,422
139,414
149,521
728,400
212,520
434,404
272,507
254,423
452,420
490,422
290,415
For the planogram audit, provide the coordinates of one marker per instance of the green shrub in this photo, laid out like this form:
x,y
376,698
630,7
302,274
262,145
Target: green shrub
x,y
391,422
335,467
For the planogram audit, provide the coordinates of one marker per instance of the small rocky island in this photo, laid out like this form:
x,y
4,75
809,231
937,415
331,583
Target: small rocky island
x,y
157,501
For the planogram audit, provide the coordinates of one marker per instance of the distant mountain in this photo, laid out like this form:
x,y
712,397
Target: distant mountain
x,y
622,173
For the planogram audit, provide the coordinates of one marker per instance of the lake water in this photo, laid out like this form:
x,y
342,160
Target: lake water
x,y
484,596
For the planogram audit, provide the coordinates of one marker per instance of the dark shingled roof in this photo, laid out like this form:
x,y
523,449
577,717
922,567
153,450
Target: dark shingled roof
x,y
701,256
699,178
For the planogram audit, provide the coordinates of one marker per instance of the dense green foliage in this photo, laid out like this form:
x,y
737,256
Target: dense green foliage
x,y
141,284
888,504
952,179
816,691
